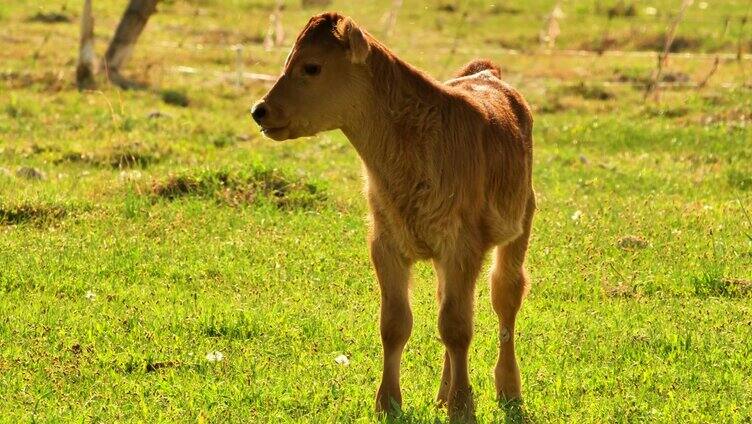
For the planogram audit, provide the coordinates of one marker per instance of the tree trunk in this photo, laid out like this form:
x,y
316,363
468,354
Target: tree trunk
x,y
134,20
85,66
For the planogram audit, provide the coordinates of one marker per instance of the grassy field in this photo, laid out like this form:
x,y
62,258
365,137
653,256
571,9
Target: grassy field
x,y
138,238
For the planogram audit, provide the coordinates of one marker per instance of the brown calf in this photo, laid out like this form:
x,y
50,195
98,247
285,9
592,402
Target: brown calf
x,y
448,170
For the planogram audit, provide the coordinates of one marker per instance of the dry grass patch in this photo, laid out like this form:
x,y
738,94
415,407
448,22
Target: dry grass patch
x,y
50,18
619,290
656,42
51,81
711,283
259,184
622,9
175,98
631,243
590,91
740,180
31,213
133,155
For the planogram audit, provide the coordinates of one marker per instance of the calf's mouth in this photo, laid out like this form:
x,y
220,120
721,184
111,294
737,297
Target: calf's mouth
x,y
276,133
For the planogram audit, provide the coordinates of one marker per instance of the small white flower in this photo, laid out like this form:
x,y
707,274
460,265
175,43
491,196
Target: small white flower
x,y
342,360
576,215
651,11
703,5
215,356
90,295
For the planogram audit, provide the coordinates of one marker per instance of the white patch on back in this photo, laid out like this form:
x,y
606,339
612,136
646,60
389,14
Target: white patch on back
x,y
485,75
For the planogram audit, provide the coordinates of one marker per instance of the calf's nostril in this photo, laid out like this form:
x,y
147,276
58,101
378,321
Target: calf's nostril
x,y
258,112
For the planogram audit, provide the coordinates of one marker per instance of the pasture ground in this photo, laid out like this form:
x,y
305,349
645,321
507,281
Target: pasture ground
x,y
137,237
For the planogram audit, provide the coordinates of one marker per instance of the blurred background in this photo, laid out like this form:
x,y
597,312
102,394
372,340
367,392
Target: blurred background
x,y
214,38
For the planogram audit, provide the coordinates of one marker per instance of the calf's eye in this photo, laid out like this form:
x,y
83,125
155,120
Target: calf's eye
x,y
311,69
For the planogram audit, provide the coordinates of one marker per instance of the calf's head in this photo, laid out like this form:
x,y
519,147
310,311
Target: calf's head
x,y
322,81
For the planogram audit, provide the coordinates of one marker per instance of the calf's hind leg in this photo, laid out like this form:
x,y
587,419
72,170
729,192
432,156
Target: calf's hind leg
x,y
509,282
446,373
456,328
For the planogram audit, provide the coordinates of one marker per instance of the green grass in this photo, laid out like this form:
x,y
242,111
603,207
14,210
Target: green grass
x,y
162,232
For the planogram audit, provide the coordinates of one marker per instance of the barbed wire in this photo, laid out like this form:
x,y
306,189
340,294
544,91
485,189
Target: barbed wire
x,y
534,51
539,81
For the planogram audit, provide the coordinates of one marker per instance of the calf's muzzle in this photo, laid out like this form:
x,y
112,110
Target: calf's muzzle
x,y
259,111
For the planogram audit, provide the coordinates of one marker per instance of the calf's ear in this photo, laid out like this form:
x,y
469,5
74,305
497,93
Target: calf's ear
x,y
357,45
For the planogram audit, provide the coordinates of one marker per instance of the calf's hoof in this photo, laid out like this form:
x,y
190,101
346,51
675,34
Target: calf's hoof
x,y
461,407
388,402
507,379
443,397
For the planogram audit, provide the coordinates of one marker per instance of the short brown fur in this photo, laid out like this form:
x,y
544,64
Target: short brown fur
x,y
448,178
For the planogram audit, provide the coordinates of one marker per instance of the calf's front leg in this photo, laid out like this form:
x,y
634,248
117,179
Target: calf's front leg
x,y
393,273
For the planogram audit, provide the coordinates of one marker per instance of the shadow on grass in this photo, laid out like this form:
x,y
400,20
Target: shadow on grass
x,y
510,412
515,412
410,417
397,415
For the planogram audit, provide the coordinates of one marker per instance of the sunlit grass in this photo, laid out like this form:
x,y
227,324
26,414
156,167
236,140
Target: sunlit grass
x,y
171,265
